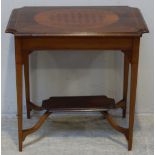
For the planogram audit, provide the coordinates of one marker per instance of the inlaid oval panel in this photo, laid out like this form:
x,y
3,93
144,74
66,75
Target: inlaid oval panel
x,y
76,18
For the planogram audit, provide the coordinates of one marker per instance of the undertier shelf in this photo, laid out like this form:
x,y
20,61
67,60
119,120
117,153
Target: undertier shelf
x,y
79,103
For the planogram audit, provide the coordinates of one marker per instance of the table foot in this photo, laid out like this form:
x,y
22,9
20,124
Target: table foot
x,y
20,141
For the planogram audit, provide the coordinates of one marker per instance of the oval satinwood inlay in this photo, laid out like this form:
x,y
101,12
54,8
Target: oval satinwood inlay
x,y
76,18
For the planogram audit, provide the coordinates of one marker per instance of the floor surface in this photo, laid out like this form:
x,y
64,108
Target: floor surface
x,y
78,134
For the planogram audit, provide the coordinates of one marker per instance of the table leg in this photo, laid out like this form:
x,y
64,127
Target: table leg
x,y
125,82
133,85
18,57
27,89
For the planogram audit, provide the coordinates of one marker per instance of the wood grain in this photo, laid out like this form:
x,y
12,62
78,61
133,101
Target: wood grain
x,y
78,103
82,28
77,21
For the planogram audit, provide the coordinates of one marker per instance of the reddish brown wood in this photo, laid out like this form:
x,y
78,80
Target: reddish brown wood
x,y
81,43
36,107
77,21
123,130
42,119
79,103
27,83
47,28
120,104
19,61
133,86
125,82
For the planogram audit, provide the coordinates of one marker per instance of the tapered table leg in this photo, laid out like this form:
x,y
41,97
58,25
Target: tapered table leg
x,y
18,57
133,85
125,82
27,89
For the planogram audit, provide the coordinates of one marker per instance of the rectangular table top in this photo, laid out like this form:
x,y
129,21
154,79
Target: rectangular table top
x,y
77,21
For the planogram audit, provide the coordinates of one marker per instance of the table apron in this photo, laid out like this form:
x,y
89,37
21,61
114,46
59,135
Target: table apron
x,y
82,43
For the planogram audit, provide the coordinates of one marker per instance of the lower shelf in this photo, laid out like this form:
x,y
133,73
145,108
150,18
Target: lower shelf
x,y
78,103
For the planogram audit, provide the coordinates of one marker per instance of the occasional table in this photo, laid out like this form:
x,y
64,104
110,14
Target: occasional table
x,y
82,28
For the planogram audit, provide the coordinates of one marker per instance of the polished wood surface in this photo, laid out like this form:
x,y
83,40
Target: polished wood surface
x,y
42,119
123,130
79,103
77,21
84,28
27,83
125,81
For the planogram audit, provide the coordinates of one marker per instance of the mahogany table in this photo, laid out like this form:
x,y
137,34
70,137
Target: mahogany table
x,y
82,28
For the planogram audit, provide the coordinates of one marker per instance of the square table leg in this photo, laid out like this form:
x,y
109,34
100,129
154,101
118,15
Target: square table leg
x,y
125,82
27,89
18,59
133,85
